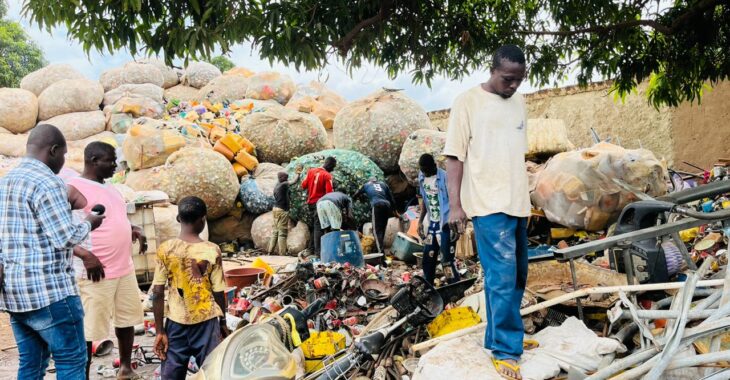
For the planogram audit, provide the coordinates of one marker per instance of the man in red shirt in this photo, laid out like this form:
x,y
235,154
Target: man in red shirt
x,y
318,182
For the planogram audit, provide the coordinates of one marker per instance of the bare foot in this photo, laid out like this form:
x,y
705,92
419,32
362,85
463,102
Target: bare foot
x,y
126,373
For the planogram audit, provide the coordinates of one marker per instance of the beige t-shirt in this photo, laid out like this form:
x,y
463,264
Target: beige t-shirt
x,y
488,133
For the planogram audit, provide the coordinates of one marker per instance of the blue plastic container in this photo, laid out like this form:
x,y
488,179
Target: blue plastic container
x,y
342,247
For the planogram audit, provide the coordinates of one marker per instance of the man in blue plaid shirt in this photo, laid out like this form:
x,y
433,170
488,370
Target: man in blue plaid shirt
x,y
37,285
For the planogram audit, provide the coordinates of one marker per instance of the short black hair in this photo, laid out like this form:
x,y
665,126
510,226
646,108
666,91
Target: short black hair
x,y
98,149
330,162
511,53
191,209
426,160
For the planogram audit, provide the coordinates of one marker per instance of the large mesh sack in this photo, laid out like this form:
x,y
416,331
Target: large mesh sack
x,y
147,147
319,100
242,71
145,90
19,110
139,73
148,179
352,171
119,122
169,75
7,164
181,93
547,137
69,95
378,125
262,228
78,125
39,80
271,85
224,88
166,225
137,107
588,188
75,153
203,173
281,134
231,228
112,78
257,189
13,145
418,143
198,74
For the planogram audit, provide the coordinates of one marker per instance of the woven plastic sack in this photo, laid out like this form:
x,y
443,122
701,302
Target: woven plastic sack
x,y
231,228
588,188
147,179
145,90
262,228
205,174
242,71
271,85
12,145
147,147
78,125
224,88
69,95
138,107
140,73
169,75
112,78
181,93
75,153
321,101
119,122
19,110
378,125
418,143
198,74
281,134
352,171
166,225
7,164
257,190
39,80
547,137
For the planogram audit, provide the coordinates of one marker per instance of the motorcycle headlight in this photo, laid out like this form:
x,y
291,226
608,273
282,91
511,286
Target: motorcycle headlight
x,y
255,353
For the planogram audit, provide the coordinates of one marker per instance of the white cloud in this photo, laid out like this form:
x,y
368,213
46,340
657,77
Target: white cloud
x,y
59,49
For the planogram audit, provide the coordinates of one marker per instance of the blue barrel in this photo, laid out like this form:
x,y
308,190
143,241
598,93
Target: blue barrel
x,y
342,247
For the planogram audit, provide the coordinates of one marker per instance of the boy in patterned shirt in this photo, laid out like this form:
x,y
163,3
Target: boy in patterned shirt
x,y
192,270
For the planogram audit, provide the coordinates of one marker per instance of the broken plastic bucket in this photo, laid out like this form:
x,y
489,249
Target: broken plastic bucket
x,y
243,277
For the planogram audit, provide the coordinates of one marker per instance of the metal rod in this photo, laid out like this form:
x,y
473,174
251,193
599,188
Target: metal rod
x,y
575,288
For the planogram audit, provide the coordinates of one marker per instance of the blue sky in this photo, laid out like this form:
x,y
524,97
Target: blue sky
x,y
59,49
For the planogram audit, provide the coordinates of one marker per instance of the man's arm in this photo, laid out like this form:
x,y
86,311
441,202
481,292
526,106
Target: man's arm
x,y
94,267
305,183
219,286
421,216
158,309
138,234
54,217
358,192
457,216
295,179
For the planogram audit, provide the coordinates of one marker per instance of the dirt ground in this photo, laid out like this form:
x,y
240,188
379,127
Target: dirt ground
x,y
9,355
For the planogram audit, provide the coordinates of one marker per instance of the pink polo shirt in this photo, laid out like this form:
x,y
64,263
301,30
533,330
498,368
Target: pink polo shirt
x,y
112,241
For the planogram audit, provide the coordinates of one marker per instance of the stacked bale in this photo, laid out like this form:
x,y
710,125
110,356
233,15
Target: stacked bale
x,y
418,143
169,75
19,109
39,80
242,71
182,93
232,227
281,134
224,88
319,100
147,147
296,241
352,171
257,189
271,85
135,91
378,125
198,74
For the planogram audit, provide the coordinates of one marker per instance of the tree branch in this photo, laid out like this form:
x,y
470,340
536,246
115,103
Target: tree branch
x,y
345,43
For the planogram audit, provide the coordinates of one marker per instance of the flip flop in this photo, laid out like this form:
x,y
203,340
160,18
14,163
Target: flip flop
x,y
499,364
530,344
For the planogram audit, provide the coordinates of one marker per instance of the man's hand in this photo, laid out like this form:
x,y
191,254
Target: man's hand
x,y
95,220
94,267
299,169
160,346
138,235
457,220
421,232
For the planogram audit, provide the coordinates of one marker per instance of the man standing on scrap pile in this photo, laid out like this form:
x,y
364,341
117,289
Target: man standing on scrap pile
x,y
114,293
318,182
36,236
485,145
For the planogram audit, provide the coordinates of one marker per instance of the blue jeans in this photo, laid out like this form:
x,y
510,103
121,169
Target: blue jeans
x,y
58,330
438,239
502,248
